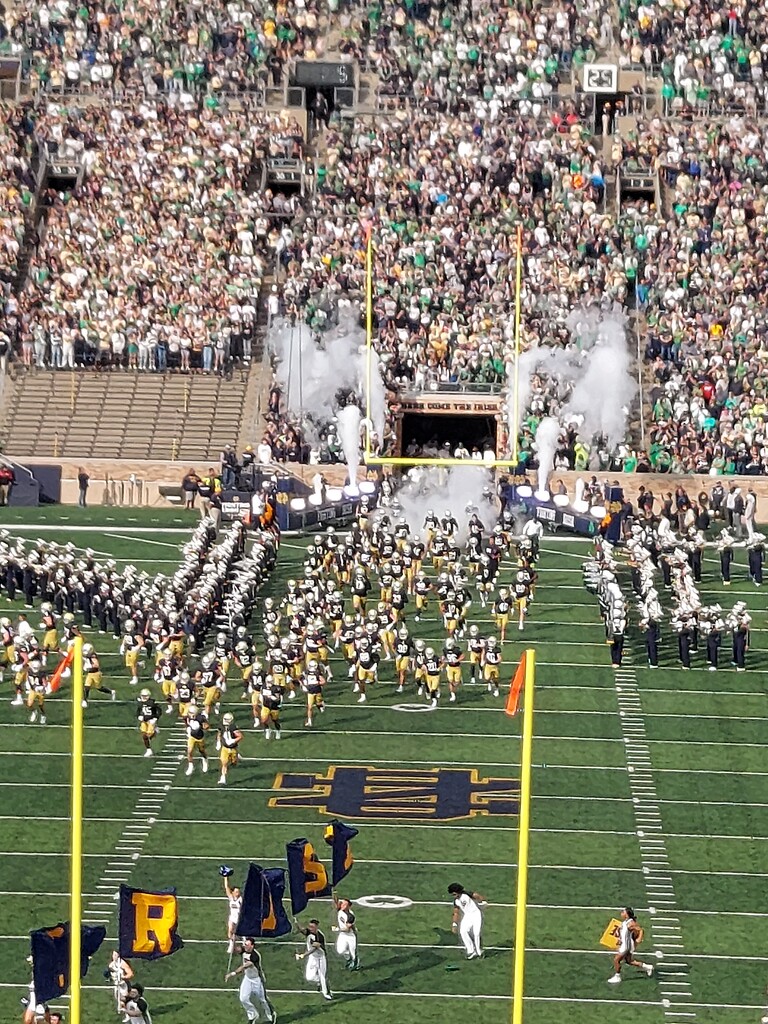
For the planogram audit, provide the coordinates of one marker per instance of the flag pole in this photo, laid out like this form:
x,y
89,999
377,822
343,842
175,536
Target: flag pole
x,y
514,427
76,844
524,829
368,335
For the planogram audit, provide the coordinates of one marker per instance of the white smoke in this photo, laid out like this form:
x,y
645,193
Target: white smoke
x,y
547,435
311,369
462,490
604,390
590,384
349,433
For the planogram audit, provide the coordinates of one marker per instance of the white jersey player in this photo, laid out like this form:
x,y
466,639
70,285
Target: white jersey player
x,y
346,940
630,936
467,919
235,904
316,968
253,993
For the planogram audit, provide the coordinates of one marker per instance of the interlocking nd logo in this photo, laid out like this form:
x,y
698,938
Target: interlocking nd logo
x,y
436,794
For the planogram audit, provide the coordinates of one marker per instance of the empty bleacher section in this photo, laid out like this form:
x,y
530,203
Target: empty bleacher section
x,y
114,415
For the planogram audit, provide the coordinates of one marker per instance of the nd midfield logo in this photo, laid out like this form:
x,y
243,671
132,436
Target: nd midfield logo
x,y
439,794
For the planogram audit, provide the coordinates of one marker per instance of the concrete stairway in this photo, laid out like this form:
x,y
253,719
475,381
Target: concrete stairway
x,y
122,415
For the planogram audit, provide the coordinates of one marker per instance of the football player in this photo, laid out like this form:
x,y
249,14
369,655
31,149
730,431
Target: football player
x,y
271,702
167,674
313,683
147,712
475,650
227,741
37,685
452,658
492,665
209,676
403,655
93,675
501,607
432,665
132,648
50,631
197,726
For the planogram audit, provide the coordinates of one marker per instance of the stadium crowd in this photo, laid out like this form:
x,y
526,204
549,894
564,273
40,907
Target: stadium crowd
x,y
15,193
712,58
473,148
156,261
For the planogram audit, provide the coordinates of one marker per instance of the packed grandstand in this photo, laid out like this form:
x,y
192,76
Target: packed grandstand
x,y
161,253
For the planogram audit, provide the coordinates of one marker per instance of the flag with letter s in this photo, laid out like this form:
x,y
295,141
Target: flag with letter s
x,y
149,922
50,957
307,877
262,913
338,836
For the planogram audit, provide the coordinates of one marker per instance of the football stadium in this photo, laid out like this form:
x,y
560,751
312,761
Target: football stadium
x,y
382,469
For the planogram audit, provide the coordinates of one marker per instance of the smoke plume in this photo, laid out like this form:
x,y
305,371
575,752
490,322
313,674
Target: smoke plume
x,y
349,433
462,490
589,385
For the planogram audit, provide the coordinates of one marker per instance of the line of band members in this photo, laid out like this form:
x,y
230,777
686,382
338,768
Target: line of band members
x,y
299,661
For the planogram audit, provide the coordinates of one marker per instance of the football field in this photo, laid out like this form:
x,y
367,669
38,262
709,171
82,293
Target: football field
x,y
650,789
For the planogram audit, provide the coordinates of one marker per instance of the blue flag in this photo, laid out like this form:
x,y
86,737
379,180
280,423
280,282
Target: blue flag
x,y
148,923
338,836
50,957
307,877
262,914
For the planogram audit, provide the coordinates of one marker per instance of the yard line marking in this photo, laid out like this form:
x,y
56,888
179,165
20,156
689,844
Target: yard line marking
x,y
664,964
115,871
486,737
149,802
278,858
439,903
411,824
431,763
646,809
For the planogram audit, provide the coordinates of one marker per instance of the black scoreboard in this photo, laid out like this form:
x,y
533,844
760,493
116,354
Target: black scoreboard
x,y
321,74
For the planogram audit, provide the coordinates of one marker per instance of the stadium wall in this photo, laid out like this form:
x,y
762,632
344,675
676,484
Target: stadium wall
x,y
111,480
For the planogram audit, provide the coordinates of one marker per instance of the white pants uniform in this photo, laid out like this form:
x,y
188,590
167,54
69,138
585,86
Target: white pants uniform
x,y
471,924
316,970
253,998
346,945
346,941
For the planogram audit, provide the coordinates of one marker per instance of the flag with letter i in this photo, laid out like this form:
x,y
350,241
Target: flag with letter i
x,y
338,836
516,688
149,923
262,913
307,877
610,937
50,957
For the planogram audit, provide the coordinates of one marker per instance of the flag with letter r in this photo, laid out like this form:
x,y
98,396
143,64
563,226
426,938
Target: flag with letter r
x,y
50,957
262,913
338,836
307,877
149,922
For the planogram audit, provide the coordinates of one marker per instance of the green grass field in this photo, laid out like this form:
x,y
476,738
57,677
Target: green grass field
x,y
706,766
